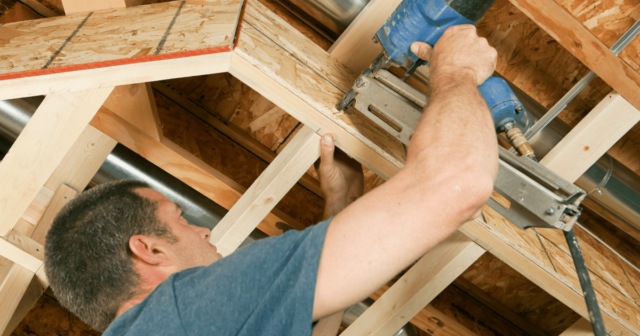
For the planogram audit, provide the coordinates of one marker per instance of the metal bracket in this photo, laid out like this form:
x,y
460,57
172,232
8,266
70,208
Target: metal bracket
x,y
538,197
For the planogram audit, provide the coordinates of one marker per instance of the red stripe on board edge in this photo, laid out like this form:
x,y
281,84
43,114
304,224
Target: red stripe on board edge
x,y
106,64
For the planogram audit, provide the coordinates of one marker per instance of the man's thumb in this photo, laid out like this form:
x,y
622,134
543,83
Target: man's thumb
x,y
327,148
421,50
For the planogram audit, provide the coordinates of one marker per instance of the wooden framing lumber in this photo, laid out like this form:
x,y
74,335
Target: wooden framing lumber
x,y
184,166
592,137
355,48
583,45
12,288
426,279
135,104
263,195
77,168
22,250
582,327
89,50
62,196
82,161
38,206
51,132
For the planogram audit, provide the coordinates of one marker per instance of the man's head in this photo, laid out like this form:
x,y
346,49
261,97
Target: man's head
x,y
117,242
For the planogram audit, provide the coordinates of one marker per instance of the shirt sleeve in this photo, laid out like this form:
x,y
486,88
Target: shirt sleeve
x,y
266,288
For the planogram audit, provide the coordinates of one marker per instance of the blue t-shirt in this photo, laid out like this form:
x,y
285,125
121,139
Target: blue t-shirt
x,y
266,288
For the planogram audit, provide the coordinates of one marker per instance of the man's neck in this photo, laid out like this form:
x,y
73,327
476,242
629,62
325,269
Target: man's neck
x,y
150,278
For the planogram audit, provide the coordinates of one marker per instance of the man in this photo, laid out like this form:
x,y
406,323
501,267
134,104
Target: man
x,y
122,256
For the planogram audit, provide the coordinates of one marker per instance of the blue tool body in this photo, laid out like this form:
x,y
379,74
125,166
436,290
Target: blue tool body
x,y
426,20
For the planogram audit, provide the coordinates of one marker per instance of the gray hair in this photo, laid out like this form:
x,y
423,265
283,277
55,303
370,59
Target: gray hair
x,y
87,255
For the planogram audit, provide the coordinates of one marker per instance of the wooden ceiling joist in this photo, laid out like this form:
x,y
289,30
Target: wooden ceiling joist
x,y
12,289
263,195
592,137
51,132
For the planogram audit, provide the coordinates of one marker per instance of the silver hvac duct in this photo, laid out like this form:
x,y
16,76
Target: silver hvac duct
x,y
335,15
123,163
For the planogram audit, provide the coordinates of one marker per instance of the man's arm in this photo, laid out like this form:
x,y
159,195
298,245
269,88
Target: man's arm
x,y
449,173
342,182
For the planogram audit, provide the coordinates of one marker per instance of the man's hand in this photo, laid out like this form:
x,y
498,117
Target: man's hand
x,y
341,177
459,52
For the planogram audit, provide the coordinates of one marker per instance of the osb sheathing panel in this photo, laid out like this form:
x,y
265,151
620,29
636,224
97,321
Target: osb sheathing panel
x,y
232,160
523,297
476,317
235,102
117,34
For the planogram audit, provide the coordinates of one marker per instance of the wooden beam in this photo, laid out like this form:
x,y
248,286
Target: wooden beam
x,y
263,195
426,279
62,196
116,47
51,132
83,160
232,131
77,169
592,137
12,289
184,166
135,104
582,327
22,250
355,48
38,206
572,35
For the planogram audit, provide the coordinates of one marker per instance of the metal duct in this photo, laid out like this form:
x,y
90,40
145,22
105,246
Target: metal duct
x,y
335,15
123,163
352,313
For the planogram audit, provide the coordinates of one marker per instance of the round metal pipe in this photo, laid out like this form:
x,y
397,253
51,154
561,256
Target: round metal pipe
x,y
335,15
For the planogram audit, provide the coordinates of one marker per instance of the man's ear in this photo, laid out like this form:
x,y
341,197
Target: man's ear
x,y
151,250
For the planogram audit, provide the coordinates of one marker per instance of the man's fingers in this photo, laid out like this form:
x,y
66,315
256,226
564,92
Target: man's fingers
x,y
327,147
421,50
